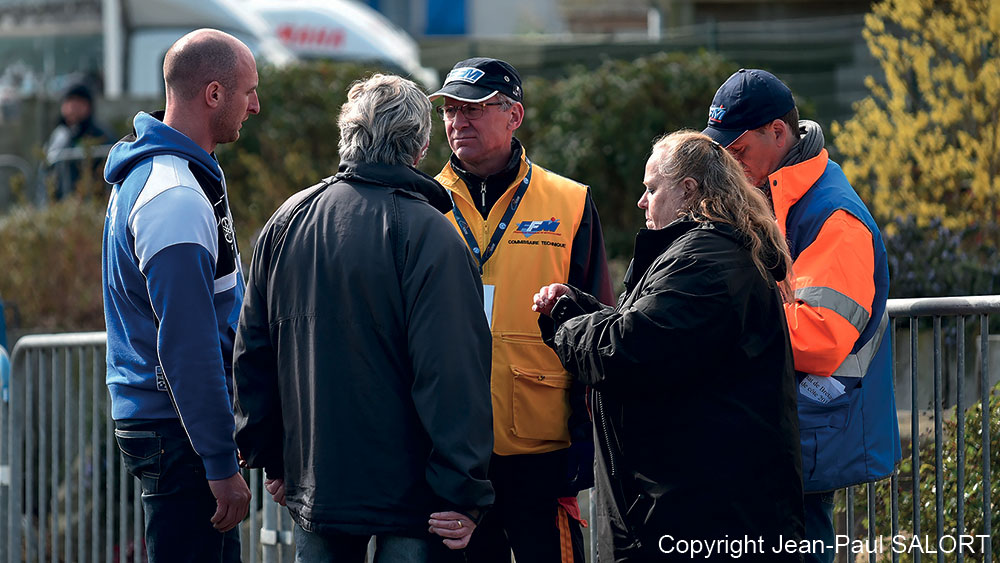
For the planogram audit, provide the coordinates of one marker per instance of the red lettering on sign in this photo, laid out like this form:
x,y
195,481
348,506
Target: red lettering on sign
x,y
307,35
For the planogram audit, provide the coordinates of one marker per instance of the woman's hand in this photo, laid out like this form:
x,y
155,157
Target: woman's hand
x,y
546,297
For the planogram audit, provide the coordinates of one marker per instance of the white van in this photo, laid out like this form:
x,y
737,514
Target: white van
x,y
342,30
137,38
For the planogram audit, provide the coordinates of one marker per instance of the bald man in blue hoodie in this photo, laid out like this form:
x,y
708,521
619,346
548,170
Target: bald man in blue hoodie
x,y
172,291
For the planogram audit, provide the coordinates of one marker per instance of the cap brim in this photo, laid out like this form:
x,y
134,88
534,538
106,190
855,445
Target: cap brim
x,y
464,92
724,137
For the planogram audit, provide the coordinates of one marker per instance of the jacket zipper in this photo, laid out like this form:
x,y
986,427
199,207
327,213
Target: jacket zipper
x,y
483,192
605,436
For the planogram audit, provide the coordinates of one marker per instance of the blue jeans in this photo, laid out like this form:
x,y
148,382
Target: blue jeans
x,y
338,548
819,525
175,494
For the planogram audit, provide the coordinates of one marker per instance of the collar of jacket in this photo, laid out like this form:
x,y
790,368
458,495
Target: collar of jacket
x,y
496,184
811,141
650,244
399,177
450,179
790,183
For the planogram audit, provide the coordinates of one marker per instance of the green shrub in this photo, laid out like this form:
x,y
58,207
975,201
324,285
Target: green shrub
x,y
973,493
598,126
51,260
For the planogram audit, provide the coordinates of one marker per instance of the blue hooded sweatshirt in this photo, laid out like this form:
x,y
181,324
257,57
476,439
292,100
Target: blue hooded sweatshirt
x,y
172,289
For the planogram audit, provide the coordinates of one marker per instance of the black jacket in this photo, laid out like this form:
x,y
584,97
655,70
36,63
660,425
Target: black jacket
x,y
362,356
694,397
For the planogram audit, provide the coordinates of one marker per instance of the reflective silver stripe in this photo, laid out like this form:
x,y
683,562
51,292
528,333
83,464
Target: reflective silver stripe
x,y
831,299
856,365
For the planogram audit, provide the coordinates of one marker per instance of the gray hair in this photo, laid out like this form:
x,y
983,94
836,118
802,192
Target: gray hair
x,y
386,119
505,102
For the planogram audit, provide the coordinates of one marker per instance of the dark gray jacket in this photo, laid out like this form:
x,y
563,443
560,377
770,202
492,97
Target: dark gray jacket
x,y
362,357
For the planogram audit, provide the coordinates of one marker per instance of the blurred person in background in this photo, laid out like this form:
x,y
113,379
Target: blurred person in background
x,y
76,140
693,387
362,356
526,226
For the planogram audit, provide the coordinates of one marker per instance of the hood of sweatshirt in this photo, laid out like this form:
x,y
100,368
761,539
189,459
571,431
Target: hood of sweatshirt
x,y
151,137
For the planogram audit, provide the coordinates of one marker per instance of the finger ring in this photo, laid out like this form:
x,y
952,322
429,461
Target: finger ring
x,y
460,524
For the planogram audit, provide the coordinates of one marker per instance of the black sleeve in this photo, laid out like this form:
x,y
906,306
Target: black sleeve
x,y
574,304
450,349
683,306
259,427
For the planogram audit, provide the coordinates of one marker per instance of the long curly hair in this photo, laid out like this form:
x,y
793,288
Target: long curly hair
x,y
724,195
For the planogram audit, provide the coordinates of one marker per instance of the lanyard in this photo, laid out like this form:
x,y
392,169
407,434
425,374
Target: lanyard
x,y
470,239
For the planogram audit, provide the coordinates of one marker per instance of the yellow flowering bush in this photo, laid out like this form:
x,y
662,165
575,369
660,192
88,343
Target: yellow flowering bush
x,y
925,143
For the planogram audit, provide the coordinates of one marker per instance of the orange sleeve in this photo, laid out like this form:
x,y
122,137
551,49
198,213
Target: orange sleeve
x,y
834,285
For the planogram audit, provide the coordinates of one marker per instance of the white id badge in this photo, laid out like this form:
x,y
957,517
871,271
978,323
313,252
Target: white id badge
x,y
488,291
822,389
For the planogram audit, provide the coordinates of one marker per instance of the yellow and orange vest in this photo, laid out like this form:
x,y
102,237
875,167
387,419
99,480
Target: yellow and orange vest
x,y
529,386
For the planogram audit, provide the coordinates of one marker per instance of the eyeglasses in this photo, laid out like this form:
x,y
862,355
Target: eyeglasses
x,y
470,111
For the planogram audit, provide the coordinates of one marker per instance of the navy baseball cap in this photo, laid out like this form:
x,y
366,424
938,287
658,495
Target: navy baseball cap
x,y
749,99
479,79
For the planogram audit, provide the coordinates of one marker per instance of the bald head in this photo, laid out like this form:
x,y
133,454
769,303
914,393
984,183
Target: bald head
x,y
200,57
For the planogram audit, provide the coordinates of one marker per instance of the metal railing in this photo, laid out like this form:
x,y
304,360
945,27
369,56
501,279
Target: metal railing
x,y
913,542
64,492
65,496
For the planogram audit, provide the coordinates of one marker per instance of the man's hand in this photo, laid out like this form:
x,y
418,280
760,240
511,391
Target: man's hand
x,y
454,527
232,497
546,297
276,487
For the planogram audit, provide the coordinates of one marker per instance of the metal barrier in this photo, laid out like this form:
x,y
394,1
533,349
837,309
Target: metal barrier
x,y
64,493
65,496
912,542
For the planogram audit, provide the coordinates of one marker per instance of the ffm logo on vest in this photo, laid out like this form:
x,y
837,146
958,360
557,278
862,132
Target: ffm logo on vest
x,y
530,228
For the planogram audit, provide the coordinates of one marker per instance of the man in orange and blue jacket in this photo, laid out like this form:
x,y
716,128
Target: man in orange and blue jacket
x,y
837,319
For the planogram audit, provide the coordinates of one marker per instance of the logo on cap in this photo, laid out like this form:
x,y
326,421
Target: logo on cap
x,y
464,74
716,113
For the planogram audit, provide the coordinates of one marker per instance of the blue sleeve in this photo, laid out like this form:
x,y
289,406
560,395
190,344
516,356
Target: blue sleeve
x,y
180,279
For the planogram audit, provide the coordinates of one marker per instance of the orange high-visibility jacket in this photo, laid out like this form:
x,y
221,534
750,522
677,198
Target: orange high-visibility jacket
x,y
840,259
838,326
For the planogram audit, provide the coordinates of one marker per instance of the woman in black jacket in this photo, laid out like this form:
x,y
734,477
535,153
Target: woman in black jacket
x,y
693,384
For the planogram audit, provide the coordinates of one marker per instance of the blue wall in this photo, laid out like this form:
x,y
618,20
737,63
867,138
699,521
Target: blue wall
x,y
445,17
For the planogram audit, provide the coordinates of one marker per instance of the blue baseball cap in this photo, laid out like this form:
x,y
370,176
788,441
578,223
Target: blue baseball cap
x,y
749,99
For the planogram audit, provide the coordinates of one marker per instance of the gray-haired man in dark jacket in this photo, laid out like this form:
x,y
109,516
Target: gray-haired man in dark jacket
x,y
363,353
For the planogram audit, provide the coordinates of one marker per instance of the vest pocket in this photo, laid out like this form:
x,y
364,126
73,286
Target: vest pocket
x,y
541,404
